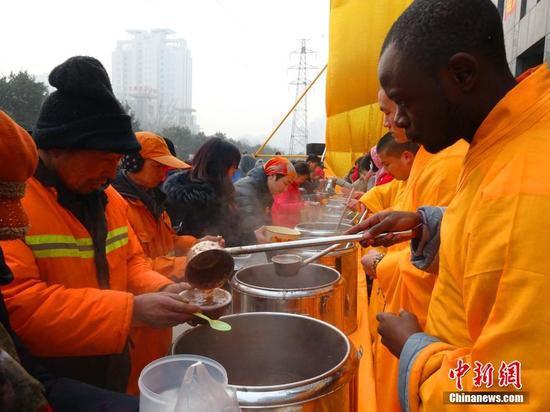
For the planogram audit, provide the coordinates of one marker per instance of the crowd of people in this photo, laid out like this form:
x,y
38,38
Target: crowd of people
x,y
95,225
96,222
456,309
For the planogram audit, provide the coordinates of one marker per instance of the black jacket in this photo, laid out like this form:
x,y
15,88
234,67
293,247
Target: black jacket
x,y
254,203
195,209
64,394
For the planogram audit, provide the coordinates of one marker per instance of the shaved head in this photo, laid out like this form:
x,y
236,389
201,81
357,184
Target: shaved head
x,y
390,146
397,158
444,65
429,32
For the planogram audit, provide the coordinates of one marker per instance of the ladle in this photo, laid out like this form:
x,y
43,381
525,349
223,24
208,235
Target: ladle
x,y
216,263
214,323
296,244
363,216
290,265
345,209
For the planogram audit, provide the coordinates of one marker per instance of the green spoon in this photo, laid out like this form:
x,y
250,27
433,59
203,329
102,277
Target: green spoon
x,y
214,323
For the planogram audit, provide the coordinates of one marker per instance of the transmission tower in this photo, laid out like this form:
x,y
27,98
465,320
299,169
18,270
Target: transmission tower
x,y
299,134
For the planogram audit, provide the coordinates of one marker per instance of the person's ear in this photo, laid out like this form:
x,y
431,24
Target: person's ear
x,y
464,71
408,156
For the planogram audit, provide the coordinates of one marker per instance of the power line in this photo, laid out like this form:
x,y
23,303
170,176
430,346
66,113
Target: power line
x,y
299,133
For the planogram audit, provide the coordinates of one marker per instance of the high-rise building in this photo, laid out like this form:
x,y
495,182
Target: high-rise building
x,y
526,26
153,74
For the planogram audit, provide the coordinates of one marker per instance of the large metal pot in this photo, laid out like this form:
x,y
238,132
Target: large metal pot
x,y
327,215
337,202
321,229
315,290
332,218
344,260
334,207
280,362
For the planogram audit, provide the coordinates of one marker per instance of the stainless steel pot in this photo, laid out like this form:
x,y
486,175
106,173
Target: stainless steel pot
x,y
328,186
321,229
334,207
315,291
321,214
280,362
333,218
337,202
344,260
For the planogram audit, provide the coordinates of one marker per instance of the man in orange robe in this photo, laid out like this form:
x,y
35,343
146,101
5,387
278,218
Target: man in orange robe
x,y
398,284
444,64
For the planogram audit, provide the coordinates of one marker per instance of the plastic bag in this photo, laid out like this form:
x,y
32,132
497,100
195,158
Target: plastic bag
x,y
199,392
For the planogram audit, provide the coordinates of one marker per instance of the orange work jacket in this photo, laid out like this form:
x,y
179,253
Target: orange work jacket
x,y
165,250
161,245
55,303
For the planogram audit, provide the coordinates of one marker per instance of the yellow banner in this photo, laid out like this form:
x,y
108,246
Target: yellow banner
x,y
354,123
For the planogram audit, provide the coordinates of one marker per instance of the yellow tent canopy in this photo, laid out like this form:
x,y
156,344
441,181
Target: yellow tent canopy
x,y
354,121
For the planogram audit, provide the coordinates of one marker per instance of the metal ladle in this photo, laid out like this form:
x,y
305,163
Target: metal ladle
x,y
290,265
217,263
345,210
296,244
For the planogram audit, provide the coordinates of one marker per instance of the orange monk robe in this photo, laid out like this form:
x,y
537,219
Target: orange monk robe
x,y
383,197
361,339
489,303
433,180
377,199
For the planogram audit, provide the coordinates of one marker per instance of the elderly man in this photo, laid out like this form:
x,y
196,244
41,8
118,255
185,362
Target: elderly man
x,y
81,282
25,384
444,64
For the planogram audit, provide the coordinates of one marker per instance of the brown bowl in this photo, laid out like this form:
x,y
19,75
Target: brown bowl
x,y
213,303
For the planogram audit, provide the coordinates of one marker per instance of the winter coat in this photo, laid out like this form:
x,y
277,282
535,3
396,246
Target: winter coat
x,y
287,207
246,164
164,249
63,394
55,301
254,202
360,185
195,209
237,176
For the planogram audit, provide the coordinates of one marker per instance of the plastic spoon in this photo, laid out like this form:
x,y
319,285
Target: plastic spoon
x,y
214,323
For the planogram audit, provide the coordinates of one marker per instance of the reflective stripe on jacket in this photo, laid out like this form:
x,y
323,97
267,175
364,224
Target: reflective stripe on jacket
x,y
44,246
54,302
160,244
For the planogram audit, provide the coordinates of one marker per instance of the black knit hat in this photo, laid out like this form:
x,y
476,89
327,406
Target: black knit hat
x,y
83,112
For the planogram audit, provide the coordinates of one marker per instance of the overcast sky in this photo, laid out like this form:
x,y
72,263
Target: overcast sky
x,y
240,49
